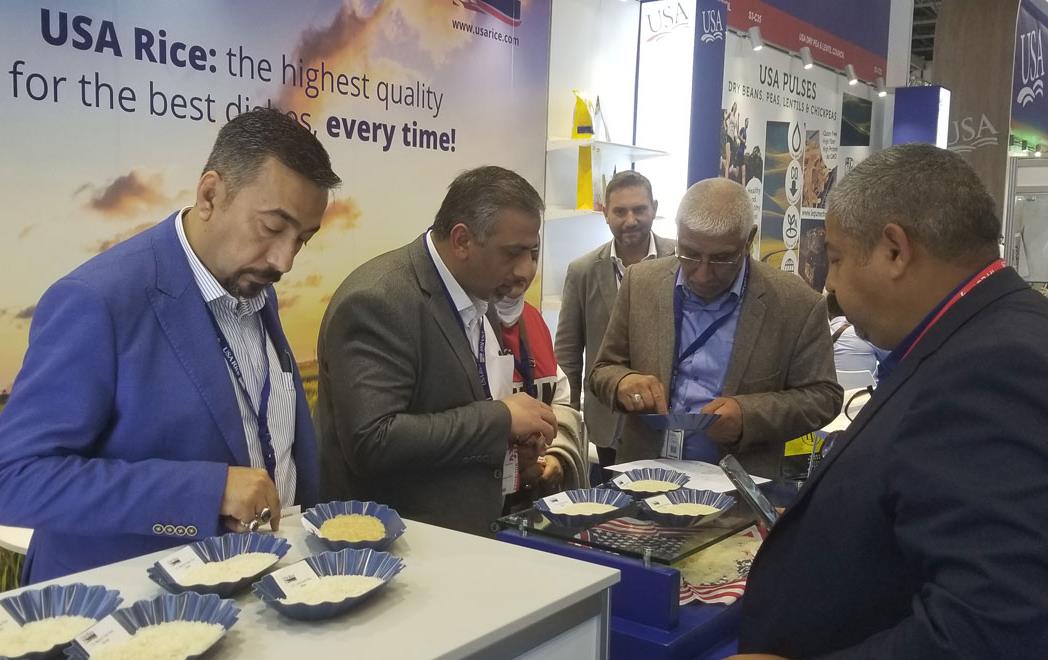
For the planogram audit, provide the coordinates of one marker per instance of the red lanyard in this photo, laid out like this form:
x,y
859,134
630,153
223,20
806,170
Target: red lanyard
x,y
972,283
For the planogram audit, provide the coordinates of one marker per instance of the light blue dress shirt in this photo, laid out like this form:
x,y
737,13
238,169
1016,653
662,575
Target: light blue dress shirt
x,y
700,378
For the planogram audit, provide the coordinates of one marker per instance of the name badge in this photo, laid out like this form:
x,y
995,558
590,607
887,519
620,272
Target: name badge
x,y
511,472
673,444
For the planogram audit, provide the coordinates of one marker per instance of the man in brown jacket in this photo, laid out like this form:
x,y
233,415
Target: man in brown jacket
x,y
711,330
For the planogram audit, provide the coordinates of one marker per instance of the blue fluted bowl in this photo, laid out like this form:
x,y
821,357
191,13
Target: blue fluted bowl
x,y
314,517
350,561
616,498
60,600
640,474
188,606
721,501
219,548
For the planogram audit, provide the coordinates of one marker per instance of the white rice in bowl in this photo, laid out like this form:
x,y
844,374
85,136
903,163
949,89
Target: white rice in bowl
x,y
332,589
172,640
42,635
235,568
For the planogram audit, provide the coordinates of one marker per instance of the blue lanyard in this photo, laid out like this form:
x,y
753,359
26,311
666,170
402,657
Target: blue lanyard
x,y
482,365
525,366
707,334
265,438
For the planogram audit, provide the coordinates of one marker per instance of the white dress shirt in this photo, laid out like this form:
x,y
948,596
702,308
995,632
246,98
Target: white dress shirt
x,y
241,324
473,312
620,268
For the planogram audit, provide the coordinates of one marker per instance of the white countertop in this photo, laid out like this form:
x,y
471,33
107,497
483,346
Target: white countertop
x,y
15,539
457,594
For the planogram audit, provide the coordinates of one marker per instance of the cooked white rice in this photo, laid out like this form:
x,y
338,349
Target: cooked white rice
x,y
42,635
333,588
584,508
235,568
651,486
173,640
688,509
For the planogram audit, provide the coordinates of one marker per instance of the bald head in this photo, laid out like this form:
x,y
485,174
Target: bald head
x,y
716,207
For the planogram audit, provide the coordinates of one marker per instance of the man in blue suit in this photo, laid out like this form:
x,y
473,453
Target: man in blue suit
x,y
158,401
923,533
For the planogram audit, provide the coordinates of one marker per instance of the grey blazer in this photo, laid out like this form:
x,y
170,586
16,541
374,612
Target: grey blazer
x,y
589,295
780,371
401,415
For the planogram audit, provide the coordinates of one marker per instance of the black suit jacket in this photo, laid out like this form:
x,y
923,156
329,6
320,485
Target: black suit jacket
x,y
924,534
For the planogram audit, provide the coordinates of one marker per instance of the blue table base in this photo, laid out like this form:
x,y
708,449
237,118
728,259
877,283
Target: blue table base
x,y
647,623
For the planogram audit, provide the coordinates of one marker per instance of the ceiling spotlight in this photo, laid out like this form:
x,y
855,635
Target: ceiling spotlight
x,y
755,38
882,91
806,57
849,71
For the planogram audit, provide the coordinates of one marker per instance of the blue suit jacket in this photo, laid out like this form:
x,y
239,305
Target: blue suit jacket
x,y
122,422
923,534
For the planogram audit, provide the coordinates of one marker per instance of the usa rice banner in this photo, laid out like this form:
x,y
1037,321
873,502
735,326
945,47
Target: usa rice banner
x,y
111,106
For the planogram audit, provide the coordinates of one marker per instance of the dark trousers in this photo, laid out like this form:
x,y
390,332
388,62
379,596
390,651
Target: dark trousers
x,y
605,457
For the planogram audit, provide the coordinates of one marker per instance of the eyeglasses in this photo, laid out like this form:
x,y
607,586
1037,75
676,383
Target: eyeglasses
x,y
717,260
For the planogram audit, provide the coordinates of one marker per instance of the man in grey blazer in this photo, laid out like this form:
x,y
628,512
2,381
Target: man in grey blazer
x,y
590,289
414,407
715,331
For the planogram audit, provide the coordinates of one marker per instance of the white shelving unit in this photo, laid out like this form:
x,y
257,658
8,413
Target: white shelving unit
x,y
555,213
614,150
596,67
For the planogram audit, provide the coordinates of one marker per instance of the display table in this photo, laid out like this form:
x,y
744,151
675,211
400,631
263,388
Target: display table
x,y
458,596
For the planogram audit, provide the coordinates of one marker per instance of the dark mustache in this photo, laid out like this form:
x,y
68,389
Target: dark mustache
x,y
269,275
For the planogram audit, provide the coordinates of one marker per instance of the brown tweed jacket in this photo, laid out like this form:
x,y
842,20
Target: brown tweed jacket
x,y
781,367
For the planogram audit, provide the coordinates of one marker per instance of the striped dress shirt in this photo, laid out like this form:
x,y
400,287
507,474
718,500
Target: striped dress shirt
x,y
241,323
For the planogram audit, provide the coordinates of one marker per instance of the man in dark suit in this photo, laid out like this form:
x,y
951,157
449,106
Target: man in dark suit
x,y
922,534
590,288
415,407
131,428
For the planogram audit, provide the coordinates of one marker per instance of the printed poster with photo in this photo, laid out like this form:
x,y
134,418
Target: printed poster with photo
x,y
113,105
788,135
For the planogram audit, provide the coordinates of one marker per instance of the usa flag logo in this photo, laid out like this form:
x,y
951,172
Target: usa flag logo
x,y
507,11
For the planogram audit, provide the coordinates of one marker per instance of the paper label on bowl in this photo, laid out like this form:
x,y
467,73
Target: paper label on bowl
x,y
622,481
7,622
659,502
557,501
179,563
294,577
105,633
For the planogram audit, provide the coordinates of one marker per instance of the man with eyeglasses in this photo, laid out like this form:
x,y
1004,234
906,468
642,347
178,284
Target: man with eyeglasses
x,y
713,331
590,288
